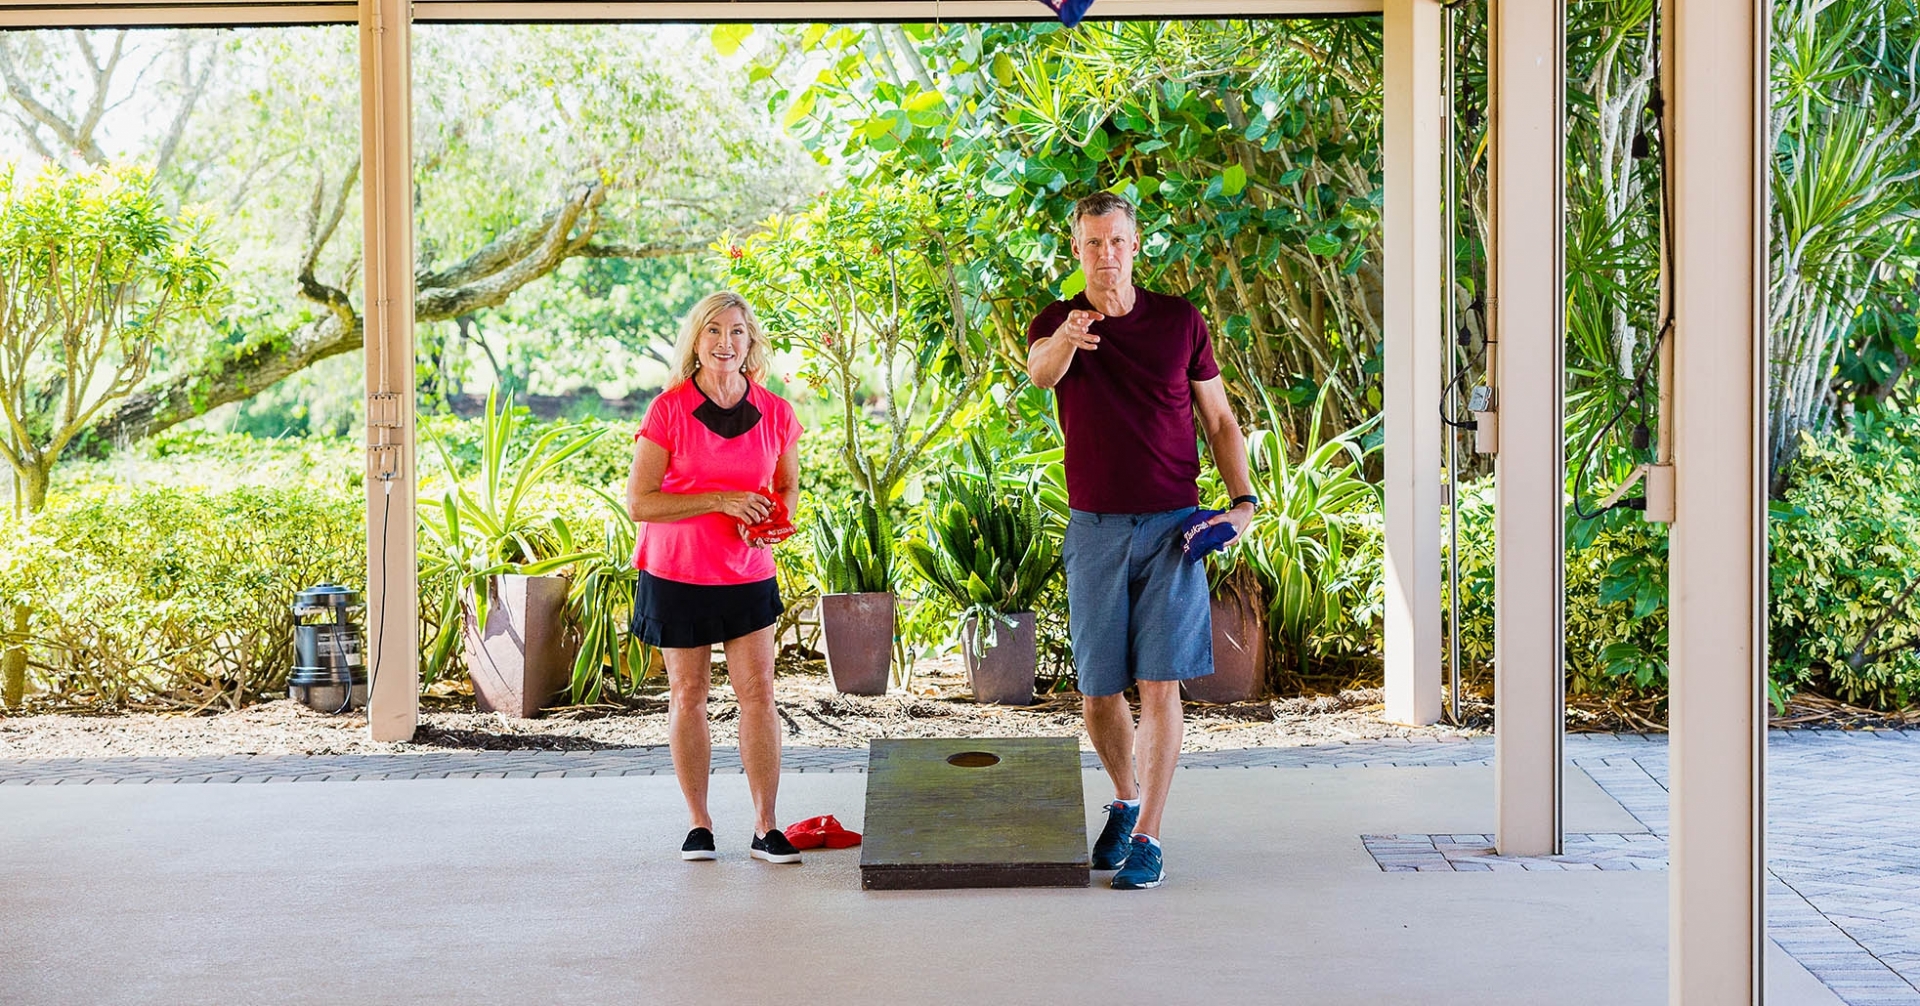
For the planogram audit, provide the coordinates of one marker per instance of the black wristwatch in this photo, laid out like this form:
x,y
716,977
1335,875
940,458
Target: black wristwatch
x,y
1249,498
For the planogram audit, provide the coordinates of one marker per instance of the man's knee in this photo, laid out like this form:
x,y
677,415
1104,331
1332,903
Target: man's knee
x,y
1159,694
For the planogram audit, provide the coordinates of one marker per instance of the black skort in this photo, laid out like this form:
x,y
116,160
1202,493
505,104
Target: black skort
x,y
669,613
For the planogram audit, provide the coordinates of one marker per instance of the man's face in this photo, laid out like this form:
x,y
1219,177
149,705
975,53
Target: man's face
x,y
1106,247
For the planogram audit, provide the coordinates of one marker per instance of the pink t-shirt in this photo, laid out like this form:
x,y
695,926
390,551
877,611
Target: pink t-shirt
x,y
707,549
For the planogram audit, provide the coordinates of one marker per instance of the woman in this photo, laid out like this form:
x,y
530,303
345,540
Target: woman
x,y
714,444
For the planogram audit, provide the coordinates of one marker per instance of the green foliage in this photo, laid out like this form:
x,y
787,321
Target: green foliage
x,y
1616,583
1251,147
852,548
872,289
1846,545
1313,546
94,273
987,550
496,525
173,598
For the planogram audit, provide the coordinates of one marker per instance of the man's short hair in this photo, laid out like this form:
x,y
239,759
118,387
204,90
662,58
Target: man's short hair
x,y
1099,205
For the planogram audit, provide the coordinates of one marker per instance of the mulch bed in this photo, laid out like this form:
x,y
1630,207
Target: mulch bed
x,y
936,704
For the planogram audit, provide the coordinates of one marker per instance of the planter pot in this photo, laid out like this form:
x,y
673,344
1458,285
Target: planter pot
x,y
1239,652
522,659
858,631
1003,673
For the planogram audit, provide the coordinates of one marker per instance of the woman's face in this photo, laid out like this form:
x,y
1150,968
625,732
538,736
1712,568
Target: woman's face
x,y
722,347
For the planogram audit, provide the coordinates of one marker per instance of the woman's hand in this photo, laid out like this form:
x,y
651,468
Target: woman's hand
x,y
748,508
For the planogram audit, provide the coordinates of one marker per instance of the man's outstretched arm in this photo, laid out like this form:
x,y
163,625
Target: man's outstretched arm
x,y
1049,358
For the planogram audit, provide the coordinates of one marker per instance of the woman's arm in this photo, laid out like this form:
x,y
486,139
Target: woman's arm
x,y
786,479
645,501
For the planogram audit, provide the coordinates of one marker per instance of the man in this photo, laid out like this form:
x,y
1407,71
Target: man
x,y
1130,369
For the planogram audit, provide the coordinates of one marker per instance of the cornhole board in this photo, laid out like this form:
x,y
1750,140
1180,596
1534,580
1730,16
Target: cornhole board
x,y
974,812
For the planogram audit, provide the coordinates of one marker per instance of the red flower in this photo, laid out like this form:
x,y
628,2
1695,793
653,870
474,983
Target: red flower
x,y
735,251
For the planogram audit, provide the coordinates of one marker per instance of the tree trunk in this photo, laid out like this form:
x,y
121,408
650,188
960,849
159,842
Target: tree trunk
x,y
34,481
13,667
253,370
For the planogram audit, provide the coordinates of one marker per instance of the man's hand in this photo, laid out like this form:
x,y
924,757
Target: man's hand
x,y
1239,517
1077,329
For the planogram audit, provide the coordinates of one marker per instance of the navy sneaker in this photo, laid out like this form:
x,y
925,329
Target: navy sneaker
x,y
1111,850
774,848
1143,869
698,846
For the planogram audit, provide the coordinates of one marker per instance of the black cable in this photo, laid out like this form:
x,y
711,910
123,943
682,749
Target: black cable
x,y
1656,103
373,673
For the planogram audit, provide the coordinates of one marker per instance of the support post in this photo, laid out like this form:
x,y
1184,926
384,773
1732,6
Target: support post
x,y
386,144
1529,322
1716,61
1414,360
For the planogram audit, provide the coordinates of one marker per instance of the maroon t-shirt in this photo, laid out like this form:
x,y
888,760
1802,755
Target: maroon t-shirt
x,y
1127,407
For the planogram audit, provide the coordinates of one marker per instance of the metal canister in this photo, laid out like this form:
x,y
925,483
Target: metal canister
x,y
329,666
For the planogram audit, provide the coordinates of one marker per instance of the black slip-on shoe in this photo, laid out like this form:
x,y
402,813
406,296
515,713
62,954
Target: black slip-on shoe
x,y
699,845
774,848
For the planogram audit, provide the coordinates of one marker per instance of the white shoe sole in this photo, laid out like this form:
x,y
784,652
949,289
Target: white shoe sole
x,y
771,858
1144,887
698,855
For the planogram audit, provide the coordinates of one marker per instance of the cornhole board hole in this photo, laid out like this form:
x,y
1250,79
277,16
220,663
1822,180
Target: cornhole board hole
x,y
974,812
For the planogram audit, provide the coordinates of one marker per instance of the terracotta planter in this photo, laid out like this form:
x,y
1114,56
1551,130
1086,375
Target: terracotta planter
x,y
522,659
858,631
1003,674
1239,652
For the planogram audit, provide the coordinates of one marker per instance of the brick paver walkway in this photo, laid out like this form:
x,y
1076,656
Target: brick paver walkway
x,y
1843,884
1843,868
1475,853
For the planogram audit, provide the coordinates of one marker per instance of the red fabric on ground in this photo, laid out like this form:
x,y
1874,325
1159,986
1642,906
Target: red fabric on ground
x,y
818,832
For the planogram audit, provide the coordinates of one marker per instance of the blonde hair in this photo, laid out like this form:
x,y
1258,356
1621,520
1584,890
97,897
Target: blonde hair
x,y
686,355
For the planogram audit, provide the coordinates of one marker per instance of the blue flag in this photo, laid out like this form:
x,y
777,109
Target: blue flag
x,y
1070,11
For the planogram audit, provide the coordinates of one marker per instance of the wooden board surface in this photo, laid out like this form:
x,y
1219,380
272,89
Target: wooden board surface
x,y
1020,822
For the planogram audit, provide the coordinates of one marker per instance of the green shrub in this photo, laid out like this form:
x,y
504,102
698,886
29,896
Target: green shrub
x,y
1846,548
1616,606
173,598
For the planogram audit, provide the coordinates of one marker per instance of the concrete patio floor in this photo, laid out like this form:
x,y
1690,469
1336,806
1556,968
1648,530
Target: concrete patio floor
x,y
568,890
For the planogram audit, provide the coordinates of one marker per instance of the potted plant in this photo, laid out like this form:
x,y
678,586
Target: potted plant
x,y
988,551
496,555
853,559
1239,635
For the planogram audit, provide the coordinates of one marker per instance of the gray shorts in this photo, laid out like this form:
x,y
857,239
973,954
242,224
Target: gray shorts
x,y
1136,609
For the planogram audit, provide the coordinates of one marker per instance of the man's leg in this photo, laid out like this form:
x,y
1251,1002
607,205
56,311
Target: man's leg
x,y
1095,554
1110,727
1171,638
1161,730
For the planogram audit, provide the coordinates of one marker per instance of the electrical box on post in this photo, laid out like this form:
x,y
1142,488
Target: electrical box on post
x,y
1486,421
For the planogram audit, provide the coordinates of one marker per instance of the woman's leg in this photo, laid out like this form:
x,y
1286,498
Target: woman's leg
x,y
689,670
750,669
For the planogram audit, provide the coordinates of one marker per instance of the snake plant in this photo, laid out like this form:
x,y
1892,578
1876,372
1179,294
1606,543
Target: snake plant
x,y
853,548
986,549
